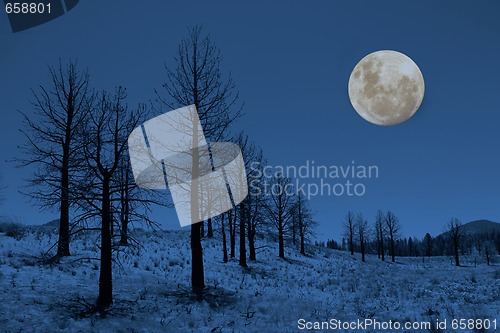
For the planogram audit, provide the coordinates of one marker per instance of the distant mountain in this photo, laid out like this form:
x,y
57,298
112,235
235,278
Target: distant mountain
x,y
478,227
481,227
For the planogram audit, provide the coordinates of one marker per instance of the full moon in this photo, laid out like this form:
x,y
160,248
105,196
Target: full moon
x,y
386,88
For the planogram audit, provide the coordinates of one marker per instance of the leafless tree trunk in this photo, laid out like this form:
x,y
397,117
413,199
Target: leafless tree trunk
x,y
306,225
377,239
105,136
105,297
125,202
379,225
392,224
243,250
251,227
256,202
250,154
60,111
280,208
224,241
210,231
349,230
455,233
362,230
198,80
231,215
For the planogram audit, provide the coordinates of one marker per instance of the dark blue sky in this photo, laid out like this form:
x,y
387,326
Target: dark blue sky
x,y
291,62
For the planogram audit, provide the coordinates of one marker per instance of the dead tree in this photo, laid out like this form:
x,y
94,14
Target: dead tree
x,y
224,240
362,232
349,230
132,203
197,79
61,108
280,208
393,228
455,233
243,220
305,224
377,239
256,202
210,229
105,142
231,219
250,154
125,195
379,227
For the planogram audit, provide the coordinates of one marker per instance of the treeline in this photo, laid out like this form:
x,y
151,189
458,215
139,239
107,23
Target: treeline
x,y
384,238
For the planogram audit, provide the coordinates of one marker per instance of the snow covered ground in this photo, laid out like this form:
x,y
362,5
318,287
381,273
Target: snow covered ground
x,y
151,289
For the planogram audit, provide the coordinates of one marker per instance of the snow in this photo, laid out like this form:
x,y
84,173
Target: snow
x,y
151,288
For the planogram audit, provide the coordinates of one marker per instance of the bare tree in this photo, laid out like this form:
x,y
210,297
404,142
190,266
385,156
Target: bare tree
x,y
393,228
256,202
133,203
243,220
61,108
305,223
255,218
249,208
377,239
197,79
125,193
280,208
105,142
349,230
362,232
210,229
224,240
379,227
231,219
454,228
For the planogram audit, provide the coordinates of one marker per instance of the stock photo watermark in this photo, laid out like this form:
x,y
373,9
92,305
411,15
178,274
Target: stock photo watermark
x,y
312,179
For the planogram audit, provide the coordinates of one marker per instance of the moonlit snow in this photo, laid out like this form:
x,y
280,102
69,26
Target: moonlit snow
x,y
151,288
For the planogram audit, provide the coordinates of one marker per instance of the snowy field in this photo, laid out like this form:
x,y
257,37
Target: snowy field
x,y
151,288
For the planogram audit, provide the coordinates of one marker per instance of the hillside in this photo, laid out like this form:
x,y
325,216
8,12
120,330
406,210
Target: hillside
x,y
477,227
151,288
481,227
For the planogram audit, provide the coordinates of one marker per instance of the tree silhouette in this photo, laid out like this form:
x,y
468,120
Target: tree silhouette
x,y
197,79
105,143
61,108
305,224
379,227
362,232
393,227
280,208
455,234
349,229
